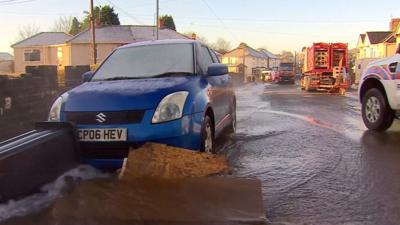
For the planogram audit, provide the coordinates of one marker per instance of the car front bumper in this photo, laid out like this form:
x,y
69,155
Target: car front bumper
x,y
183,133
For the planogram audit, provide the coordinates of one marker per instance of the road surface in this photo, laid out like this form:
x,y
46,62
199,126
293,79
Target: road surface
x,y
317,162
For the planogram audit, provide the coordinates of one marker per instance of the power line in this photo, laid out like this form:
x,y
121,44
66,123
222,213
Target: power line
x,y
14,2
285,21
125,12
220,20
261,31
41,13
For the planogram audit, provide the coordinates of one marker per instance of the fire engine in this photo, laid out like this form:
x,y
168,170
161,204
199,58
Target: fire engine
x,y
326,67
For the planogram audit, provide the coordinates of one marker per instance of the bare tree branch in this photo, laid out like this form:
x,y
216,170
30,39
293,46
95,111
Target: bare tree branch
x,y
62,24
27,31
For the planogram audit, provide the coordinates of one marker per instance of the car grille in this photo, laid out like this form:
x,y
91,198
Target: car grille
x,y
104,150
105,118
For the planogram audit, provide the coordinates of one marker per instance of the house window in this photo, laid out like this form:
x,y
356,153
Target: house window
x,y
32,55
59,55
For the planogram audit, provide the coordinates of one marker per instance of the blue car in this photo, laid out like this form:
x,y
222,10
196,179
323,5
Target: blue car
x,y
173,92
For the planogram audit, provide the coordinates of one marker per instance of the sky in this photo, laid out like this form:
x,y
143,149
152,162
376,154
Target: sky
x,y
276,25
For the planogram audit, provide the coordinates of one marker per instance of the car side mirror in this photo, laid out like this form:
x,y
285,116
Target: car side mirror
x,y
87,76
393,67
217,69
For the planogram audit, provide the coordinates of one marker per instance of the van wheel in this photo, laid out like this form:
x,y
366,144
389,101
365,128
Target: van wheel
x,y
307,84
342,91
376,112
207,136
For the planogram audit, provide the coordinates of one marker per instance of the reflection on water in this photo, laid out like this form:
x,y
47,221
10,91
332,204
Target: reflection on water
x,y
49,193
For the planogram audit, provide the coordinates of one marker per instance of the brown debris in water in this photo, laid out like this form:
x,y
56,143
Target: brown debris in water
x,y
159,185
162,161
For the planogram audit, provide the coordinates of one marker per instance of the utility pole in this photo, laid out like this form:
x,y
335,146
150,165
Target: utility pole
x,y
93,34
244,64
157,18
295,63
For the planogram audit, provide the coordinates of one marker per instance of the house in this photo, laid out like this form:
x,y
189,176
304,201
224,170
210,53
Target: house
x,y
55,48
273,61
218,54
247,57
375,45
40,49
6,63
110,37
398,35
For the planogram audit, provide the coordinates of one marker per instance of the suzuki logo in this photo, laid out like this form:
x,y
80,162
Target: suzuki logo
x,y
101,118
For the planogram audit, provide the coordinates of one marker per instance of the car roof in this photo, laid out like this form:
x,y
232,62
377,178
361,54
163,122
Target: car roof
x,y
158,42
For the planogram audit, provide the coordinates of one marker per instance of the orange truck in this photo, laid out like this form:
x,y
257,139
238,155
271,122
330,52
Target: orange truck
x,y
326,67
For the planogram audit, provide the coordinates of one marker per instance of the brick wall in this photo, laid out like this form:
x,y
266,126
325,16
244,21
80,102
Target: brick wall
x,y
28,98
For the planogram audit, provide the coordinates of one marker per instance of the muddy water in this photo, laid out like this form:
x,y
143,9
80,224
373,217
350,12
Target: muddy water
x,y
204,201
316,162
158,185
49,193
314,158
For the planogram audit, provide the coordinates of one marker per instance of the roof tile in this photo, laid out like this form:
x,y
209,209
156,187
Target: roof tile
x,y
43,38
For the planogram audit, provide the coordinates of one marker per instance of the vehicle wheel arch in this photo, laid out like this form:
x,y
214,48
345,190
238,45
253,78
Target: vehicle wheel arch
x,y
210,112
372,83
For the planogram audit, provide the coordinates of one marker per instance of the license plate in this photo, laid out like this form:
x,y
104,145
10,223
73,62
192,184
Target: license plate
x,y
103,134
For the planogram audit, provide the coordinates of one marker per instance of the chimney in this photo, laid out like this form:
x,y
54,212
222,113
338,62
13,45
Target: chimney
x,y
394,23
161,24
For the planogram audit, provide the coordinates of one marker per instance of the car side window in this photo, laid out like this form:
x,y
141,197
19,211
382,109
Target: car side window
x,y
214,56
205,59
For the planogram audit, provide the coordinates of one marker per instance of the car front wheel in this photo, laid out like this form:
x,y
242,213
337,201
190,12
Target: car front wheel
x,y
207,136
376,112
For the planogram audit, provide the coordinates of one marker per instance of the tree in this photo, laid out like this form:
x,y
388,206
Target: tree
x,y
168,22
287,56
104,16
221,45
62,24
27,31
75,27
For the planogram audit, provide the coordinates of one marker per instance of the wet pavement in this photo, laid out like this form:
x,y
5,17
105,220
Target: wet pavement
x,y
311,152
316,161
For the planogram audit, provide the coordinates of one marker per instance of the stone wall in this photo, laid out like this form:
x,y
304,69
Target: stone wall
x,y
27,99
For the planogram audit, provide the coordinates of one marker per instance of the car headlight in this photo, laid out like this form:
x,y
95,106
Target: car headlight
x,y
54,114
170,107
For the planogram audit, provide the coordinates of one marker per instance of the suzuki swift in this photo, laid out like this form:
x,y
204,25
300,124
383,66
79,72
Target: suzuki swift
x,y
173,92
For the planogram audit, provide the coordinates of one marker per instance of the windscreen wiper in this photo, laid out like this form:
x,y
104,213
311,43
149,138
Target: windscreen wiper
x,y
172,74
122,78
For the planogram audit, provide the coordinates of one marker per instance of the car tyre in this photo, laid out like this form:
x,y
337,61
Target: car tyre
x,y
307,84
207,136
376,112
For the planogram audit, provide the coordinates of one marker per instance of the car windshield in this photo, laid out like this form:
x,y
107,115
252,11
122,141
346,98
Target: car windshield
x,y
147,61
286,68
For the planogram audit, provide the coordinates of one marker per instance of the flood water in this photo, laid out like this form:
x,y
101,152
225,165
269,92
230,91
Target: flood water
x,y
316,162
